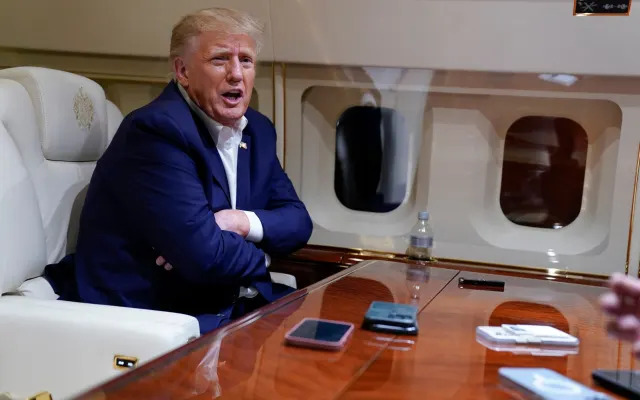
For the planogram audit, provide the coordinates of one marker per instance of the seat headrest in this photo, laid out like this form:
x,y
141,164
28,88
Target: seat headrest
x,y
71,112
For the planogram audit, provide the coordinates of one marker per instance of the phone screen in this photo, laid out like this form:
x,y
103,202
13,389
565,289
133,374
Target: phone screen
x,y
624,382
321,330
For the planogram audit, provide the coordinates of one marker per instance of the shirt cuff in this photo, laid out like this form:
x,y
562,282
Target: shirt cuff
x,y
255,227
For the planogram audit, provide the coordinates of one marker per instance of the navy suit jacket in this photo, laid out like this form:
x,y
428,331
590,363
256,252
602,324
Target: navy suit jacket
x,y
155,191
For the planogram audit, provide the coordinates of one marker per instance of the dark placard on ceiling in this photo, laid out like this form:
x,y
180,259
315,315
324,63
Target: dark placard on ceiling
x,y
601,7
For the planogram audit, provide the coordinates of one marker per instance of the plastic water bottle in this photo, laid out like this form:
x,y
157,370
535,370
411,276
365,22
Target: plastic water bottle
x,y
421,238
417,278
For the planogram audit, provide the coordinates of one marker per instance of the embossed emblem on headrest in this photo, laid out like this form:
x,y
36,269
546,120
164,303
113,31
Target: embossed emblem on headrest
x,y
83,107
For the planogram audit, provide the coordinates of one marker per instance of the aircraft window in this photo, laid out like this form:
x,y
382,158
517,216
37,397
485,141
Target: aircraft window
x,y
370,169
543,171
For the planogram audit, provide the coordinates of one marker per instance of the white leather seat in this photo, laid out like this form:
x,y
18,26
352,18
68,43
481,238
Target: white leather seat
x,y
62,160
74,122
53,127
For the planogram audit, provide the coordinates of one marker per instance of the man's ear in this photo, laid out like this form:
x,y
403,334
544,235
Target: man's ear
x,y
180,71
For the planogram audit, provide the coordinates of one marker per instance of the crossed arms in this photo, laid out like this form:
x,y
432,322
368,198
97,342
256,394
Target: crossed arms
x,y
161,190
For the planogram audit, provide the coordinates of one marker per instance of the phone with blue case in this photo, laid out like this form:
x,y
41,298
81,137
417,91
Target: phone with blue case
x,y
388,317
546,384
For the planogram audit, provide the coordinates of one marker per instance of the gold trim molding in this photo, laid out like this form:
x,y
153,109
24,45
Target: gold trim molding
x,y
632,217
552,272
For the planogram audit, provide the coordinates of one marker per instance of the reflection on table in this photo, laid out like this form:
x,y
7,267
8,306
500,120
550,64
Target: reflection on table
x,y
248,359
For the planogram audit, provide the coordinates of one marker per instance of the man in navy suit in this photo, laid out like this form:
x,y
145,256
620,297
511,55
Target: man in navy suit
x,y
189,200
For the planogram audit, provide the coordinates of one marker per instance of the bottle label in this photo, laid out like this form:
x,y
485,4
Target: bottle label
x,y
421,241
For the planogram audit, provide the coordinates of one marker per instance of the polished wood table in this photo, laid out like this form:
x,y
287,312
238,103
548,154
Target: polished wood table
x,y
248,359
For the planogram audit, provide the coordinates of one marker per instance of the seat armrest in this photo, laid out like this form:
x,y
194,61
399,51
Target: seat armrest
x,y
65,348
284,279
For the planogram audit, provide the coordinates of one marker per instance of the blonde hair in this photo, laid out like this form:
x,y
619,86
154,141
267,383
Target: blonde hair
x,y
214,20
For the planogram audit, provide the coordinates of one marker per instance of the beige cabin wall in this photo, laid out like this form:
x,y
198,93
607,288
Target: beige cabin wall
x,y
463,119
123,27
486,35
122,45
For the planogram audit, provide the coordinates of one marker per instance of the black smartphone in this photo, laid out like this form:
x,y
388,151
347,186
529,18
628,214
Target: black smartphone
x,y
388,317
623,382
481,284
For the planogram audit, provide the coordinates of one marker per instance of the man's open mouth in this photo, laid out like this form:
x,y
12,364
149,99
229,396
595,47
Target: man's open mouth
x,y
232,95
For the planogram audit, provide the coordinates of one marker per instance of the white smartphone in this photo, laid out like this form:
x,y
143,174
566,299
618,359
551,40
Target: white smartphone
x,y
528,349
545,384
527,334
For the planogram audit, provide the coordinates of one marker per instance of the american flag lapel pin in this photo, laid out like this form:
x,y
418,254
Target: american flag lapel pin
x,y
243,145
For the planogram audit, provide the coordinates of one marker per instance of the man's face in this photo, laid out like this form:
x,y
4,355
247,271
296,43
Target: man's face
x,y
218,71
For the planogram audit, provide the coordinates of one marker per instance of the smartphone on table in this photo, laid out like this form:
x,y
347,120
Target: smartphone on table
x,y
320,334
623,382
383,316
546,384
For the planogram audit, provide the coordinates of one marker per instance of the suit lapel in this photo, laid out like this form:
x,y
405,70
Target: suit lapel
x,y
217,169
218,172
212,158
243,184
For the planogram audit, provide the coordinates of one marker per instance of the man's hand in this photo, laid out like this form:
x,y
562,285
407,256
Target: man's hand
x,y
623,304
161,262
233,221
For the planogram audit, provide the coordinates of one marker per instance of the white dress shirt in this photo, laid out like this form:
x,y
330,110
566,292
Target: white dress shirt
x,y
228,140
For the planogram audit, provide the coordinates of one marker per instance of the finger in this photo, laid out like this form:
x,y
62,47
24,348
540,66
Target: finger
x,y
624,328
616,276
221,220
168,267
614,304
625,286
636,348
629,323
614,332
160,261
610,302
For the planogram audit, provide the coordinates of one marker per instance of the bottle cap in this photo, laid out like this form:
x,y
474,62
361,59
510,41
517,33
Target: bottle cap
x,y
423,215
